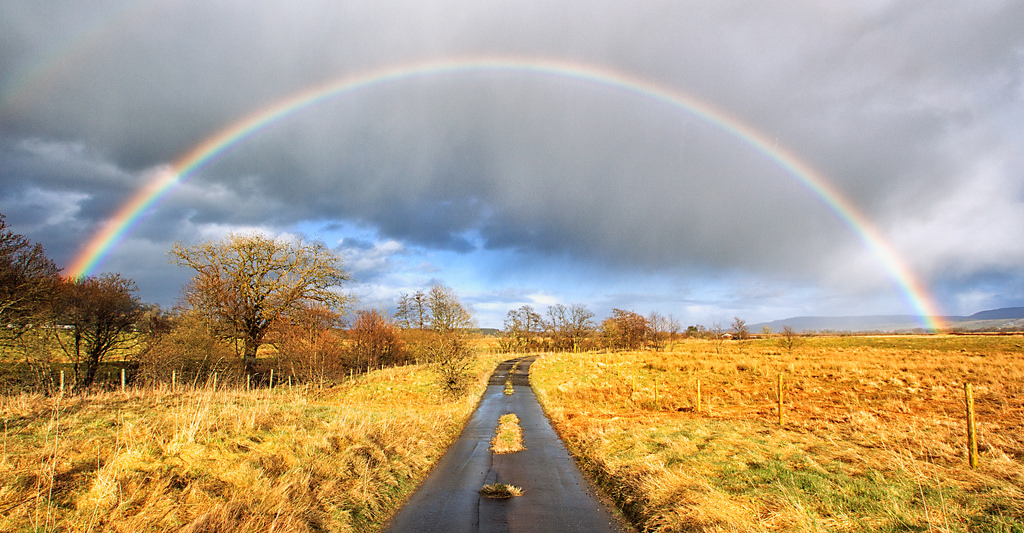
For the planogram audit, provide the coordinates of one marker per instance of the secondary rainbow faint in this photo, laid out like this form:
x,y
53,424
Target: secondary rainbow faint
x,y
104,241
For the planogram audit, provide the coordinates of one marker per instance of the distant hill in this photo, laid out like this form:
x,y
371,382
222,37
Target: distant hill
x,y
1006,313
994,319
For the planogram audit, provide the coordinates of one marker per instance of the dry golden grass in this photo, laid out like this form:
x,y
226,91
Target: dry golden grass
x,y
298,459
874,436
508,437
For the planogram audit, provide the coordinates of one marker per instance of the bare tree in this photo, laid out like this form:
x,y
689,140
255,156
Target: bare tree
x,y
580,326
718,336
246,282
449,349
522,325
740,331
447,315
404,311
570,326
28,281
101,314
413,311
28,284
659,329
789,338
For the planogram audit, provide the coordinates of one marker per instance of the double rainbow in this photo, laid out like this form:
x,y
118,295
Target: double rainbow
x,y
104,241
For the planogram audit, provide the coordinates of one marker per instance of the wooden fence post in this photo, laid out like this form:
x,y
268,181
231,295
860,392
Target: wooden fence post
x,y
778,390
698,395
122,380
972,436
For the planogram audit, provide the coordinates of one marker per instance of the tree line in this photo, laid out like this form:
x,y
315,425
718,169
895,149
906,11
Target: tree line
x,y
252,294
573,328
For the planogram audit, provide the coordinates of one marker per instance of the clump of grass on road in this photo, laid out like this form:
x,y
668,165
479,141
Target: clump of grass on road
x,y
286,460
508,437
501,490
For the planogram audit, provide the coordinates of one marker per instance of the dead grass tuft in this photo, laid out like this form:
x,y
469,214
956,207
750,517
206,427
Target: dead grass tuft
x,y
501,490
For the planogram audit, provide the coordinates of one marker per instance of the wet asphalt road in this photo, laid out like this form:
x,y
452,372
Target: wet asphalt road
x,y
556,497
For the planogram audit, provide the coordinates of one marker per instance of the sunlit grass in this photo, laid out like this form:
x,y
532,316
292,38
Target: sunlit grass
x,y
874,434
291,459
508,437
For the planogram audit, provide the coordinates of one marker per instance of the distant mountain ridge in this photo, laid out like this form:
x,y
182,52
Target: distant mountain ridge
x,y
1006,313
1004,318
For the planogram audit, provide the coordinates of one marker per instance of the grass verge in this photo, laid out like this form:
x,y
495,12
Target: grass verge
x,y
298,459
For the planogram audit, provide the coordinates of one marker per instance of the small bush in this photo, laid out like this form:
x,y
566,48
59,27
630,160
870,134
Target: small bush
x,y
192,351
310,347
376,341
451,357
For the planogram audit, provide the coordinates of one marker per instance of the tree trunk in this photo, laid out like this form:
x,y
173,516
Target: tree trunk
x,y
249,353
92,364
78,356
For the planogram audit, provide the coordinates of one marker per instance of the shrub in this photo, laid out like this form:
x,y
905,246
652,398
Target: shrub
x,y
191,350
375,341
310,347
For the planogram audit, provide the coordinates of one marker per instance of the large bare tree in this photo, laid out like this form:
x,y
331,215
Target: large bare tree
x,y
246,282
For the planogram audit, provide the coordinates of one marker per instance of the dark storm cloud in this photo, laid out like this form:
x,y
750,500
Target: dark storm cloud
x,y
911,110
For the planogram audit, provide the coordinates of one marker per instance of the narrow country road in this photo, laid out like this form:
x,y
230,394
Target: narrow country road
x,y
555,498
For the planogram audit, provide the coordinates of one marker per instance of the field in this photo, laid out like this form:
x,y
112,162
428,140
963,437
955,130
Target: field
x,y
873,435
873,438
205,459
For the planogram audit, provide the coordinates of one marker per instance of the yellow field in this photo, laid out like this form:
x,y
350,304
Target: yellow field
x,y
201,459
874,434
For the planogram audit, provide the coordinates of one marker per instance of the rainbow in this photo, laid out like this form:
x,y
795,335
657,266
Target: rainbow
x,y
128,215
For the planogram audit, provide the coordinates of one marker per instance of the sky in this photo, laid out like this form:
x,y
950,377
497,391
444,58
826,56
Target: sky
x,y
525,186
